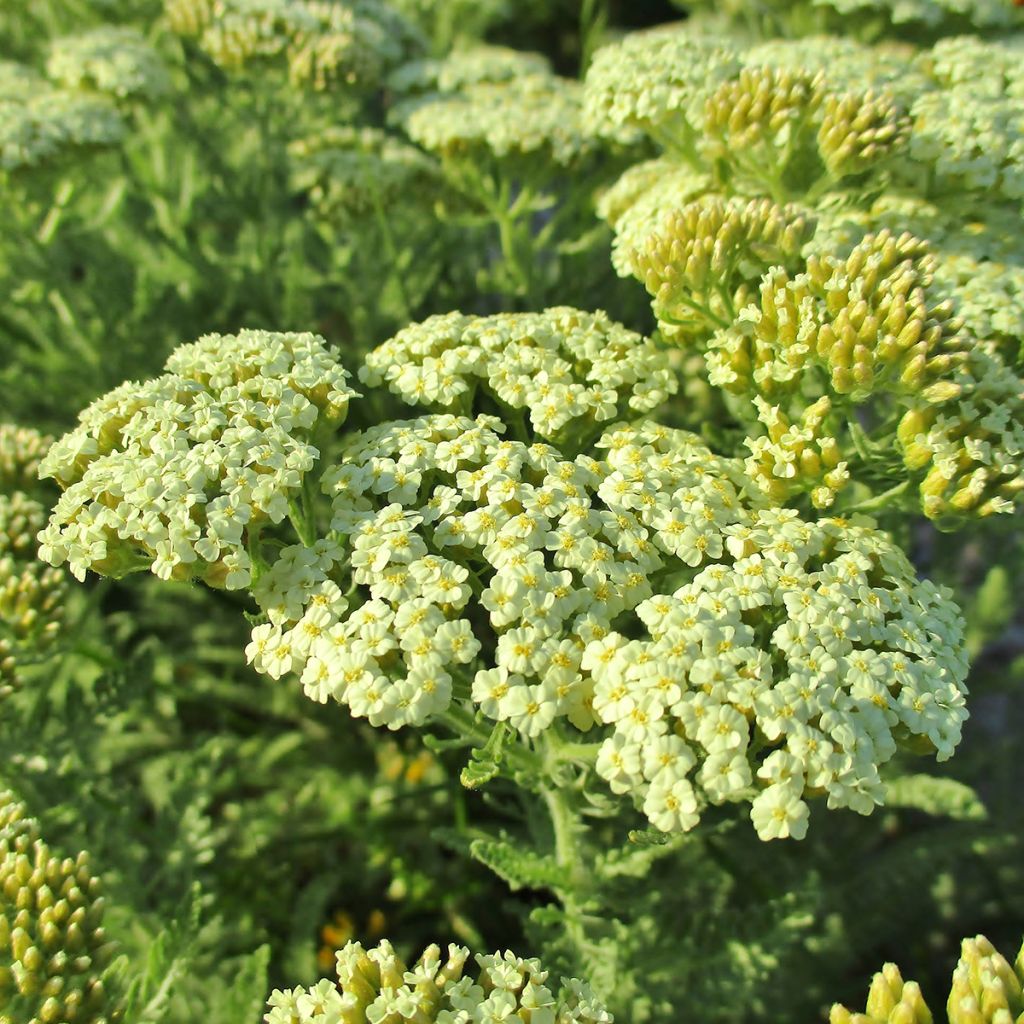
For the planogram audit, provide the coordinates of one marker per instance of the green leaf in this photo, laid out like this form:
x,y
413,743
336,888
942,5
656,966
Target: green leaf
x,y
941,797
485,762
247,996
519,867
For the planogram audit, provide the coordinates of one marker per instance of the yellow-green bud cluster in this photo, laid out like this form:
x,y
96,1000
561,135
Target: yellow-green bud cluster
x,y
375,986
52,944
531,116
978,262
348,172
176,474
986,989
770,128
323,43
778,128
563,366
891,1000
112,60
32,594
698,264
637,203
797,458
870,326
867,321
21,454
40,125
972,443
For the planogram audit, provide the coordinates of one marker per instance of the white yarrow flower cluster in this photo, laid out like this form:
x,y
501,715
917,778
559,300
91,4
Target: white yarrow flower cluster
x,y
795,659
562,365
179,473
375,985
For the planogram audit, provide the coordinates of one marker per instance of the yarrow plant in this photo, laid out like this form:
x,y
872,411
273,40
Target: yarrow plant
x,y
563,531
727,651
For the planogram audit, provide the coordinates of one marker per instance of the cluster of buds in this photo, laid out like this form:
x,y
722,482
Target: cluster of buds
x,y
870,328
52,945
324,44
111,60
21,454
571,370
868,322
785,132
32,595
376,987
797,458
180,473
986,989
757,128
635,206
703,258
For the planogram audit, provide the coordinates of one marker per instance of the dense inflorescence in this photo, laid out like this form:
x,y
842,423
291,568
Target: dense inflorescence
x,y
376,985
52,945
323,44
986,989
174,474
115,61
21,454
32,594
568,369
41,125
869,328
534,116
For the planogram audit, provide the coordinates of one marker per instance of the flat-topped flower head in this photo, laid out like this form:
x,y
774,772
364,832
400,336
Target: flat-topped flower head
x,y
568,369
654,83
376,985
869,20
466,67
790,658
527,117
179,473
32,594
112,60
52,945
41,126
324,44
848,65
